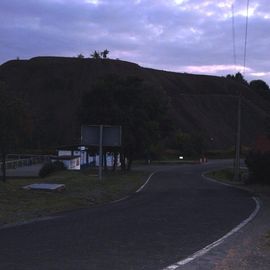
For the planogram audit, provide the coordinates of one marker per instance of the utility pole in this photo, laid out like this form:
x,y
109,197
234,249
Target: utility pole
x,y
236,176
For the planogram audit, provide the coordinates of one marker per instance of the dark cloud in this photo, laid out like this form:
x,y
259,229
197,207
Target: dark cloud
x,y
167,34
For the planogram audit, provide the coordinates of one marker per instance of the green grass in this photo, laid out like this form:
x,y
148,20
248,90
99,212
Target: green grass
x,y
83,189
169,161
225,175
175,161
221,175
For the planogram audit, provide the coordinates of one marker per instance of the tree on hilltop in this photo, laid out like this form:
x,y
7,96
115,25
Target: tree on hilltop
x,y
80,56
260,87
95,55
104,53
99,55
237,77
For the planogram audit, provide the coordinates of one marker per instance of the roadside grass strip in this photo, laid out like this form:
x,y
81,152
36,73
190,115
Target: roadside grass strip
x,y
82,190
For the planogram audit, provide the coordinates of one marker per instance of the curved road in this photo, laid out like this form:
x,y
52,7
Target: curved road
x,y
177,213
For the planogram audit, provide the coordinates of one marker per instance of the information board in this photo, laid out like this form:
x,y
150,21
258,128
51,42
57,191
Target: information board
x,y
111,135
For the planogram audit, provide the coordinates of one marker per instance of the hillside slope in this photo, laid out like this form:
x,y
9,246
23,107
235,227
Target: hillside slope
x,y
54,86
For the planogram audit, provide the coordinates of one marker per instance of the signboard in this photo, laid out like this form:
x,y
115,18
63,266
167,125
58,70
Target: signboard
x,y
111,135
90,135
101,136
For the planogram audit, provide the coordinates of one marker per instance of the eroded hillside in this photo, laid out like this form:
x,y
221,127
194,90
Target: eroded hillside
x,y
54,87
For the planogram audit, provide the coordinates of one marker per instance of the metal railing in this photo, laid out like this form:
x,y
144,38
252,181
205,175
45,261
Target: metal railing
x,y
23,162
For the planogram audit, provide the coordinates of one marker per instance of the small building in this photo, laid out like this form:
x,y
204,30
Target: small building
x,y
75,151
87,158
70,162
109,160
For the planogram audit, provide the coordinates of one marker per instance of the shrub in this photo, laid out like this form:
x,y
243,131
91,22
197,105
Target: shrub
x,y
46,169
51,167
258,164
58,165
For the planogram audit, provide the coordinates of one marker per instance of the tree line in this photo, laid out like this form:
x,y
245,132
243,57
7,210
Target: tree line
x,y
142,109
96,54
260,86
15,123
133,104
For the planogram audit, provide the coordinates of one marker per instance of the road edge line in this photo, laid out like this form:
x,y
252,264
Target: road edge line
x,y
11,225
148,179
218,242
137,191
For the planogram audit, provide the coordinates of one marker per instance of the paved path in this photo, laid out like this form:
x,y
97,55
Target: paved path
x,y
25,171
177,213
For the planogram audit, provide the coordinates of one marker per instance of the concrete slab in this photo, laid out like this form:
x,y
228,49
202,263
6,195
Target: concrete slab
x,y
45,186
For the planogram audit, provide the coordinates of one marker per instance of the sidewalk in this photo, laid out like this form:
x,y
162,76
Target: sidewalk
x,y
27,171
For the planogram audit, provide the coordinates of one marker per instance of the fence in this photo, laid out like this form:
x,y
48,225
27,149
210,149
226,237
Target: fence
x,y
23,162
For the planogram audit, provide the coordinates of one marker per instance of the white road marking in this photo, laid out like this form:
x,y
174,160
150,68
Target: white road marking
x,y
12,225
55,217
219,182
141,188
119,200
206,249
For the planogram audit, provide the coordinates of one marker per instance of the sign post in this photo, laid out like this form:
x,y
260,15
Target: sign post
x,y
100,152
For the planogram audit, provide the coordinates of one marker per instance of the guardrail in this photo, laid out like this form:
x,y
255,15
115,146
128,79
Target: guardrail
x,y
13,164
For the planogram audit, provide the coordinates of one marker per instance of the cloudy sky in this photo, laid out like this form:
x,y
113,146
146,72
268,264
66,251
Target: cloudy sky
x,y
193,36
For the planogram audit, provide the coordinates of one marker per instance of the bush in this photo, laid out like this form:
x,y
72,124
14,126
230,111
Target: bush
x,y
51,167
258,164
58,165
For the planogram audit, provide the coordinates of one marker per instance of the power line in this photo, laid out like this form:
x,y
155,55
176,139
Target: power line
x,y
238,132
233,36
246,34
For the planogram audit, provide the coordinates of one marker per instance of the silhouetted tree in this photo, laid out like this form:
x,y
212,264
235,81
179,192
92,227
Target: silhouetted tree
x,y
189,144
259,85
261,88
132,103
80,56
104,53
237,77
15,123
96,55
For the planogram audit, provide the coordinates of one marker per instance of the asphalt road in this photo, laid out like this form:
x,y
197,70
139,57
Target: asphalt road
x,y
177,213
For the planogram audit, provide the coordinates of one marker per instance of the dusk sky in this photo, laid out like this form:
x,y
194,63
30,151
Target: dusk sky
x,y
191,36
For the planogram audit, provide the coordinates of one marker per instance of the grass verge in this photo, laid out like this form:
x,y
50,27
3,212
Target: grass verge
x,y
83,189
225,175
